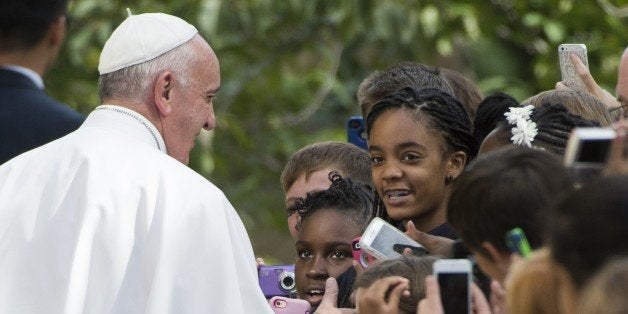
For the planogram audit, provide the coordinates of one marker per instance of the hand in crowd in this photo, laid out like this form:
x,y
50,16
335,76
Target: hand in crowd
x,y
436,245
498,298
330,299
432,303
383,296
618,159
590,84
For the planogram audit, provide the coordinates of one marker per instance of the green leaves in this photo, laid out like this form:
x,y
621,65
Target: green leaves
x,y
291,68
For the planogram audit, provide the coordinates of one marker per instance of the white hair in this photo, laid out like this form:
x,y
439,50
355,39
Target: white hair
x,y
135,82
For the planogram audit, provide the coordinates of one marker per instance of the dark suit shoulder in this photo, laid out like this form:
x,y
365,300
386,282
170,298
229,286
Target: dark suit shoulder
x,y
29,118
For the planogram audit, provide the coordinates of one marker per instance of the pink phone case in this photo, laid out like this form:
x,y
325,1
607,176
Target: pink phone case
x,y
289,306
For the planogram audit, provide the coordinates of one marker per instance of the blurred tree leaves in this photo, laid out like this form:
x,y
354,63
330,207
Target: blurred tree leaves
x,y
290,68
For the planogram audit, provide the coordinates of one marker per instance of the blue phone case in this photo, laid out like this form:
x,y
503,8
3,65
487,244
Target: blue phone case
x,y
356,132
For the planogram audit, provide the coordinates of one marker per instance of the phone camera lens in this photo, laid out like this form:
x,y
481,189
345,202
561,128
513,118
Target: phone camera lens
x,y
354,124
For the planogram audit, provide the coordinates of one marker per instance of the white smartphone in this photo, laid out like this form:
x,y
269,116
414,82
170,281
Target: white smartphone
x,y
454,280
384,241
568,72
589,147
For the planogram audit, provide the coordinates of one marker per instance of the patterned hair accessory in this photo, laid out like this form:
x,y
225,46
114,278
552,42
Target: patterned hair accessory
x,y
524,129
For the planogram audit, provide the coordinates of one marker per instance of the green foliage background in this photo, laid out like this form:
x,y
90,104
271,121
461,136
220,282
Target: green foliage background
x,y
290,70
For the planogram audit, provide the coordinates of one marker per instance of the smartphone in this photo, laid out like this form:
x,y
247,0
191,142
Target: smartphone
x,y
454,280
356,132
589,147
568,72
517,242
360,255
289,306
384,241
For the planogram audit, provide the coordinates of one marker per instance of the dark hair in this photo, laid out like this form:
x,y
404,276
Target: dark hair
x,y
465,90
589,227
554,125
355,199
23,23
405,74
499,191
414,268
490,113
445,115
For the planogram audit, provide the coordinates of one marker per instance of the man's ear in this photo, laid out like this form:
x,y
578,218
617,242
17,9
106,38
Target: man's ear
x,y
56,32
456,163
163,93
498,257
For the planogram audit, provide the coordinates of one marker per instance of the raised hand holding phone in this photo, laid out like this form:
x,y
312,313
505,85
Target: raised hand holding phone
x,y
384,241
454,281
568,72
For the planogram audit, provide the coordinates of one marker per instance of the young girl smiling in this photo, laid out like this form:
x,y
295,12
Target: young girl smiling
x,y
419,141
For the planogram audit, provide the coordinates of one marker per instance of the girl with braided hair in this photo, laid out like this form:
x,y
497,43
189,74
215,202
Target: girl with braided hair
x,y
545,128
329,221
420,141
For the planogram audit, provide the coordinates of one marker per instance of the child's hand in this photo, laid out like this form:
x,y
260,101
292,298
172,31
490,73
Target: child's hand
x,y
436,245
330,298
373,299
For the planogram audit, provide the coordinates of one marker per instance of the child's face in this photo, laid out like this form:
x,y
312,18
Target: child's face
x,y
323,250
408,168
317,181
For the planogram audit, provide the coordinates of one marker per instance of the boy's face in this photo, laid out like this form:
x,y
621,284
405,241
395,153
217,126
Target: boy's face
x,y
323,250
318,181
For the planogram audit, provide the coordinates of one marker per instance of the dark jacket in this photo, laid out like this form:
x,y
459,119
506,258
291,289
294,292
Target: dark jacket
x,y
28,117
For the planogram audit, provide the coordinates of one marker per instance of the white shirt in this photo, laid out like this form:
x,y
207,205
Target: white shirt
x,y
102,221
32,75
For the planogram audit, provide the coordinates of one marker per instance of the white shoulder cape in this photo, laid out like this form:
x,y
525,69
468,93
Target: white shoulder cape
x,y
102,221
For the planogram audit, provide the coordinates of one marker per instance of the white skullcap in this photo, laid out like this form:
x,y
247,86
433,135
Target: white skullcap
x,y
141,38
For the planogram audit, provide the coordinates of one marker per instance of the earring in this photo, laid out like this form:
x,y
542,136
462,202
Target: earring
x,y
450,178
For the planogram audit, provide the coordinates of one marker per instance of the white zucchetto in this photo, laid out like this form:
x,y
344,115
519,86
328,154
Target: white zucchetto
x,y
141,38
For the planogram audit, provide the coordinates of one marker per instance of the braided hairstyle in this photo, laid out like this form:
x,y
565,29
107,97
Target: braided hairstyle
x,y
554,125
382,83
490,113
444,114
352,198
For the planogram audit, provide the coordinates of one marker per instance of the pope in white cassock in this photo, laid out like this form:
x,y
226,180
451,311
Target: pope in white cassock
x,y
109,219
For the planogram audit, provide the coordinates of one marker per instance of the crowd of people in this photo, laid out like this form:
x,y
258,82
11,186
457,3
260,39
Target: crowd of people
x,y
100,214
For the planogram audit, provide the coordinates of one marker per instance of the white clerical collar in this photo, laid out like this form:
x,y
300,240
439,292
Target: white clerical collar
x,y
150,128
27,72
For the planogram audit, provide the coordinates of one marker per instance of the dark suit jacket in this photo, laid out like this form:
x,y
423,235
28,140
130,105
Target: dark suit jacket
x,y
28,117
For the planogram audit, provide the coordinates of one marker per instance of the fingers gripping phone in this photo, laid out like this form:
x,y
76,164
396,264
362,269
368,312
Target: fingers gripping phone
x,y
454,280
589,147
384,241
285,305
568,72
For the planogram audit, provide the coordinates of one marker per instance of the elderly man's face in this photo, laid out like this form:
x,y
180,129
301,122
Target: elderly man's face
x,y
193,108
